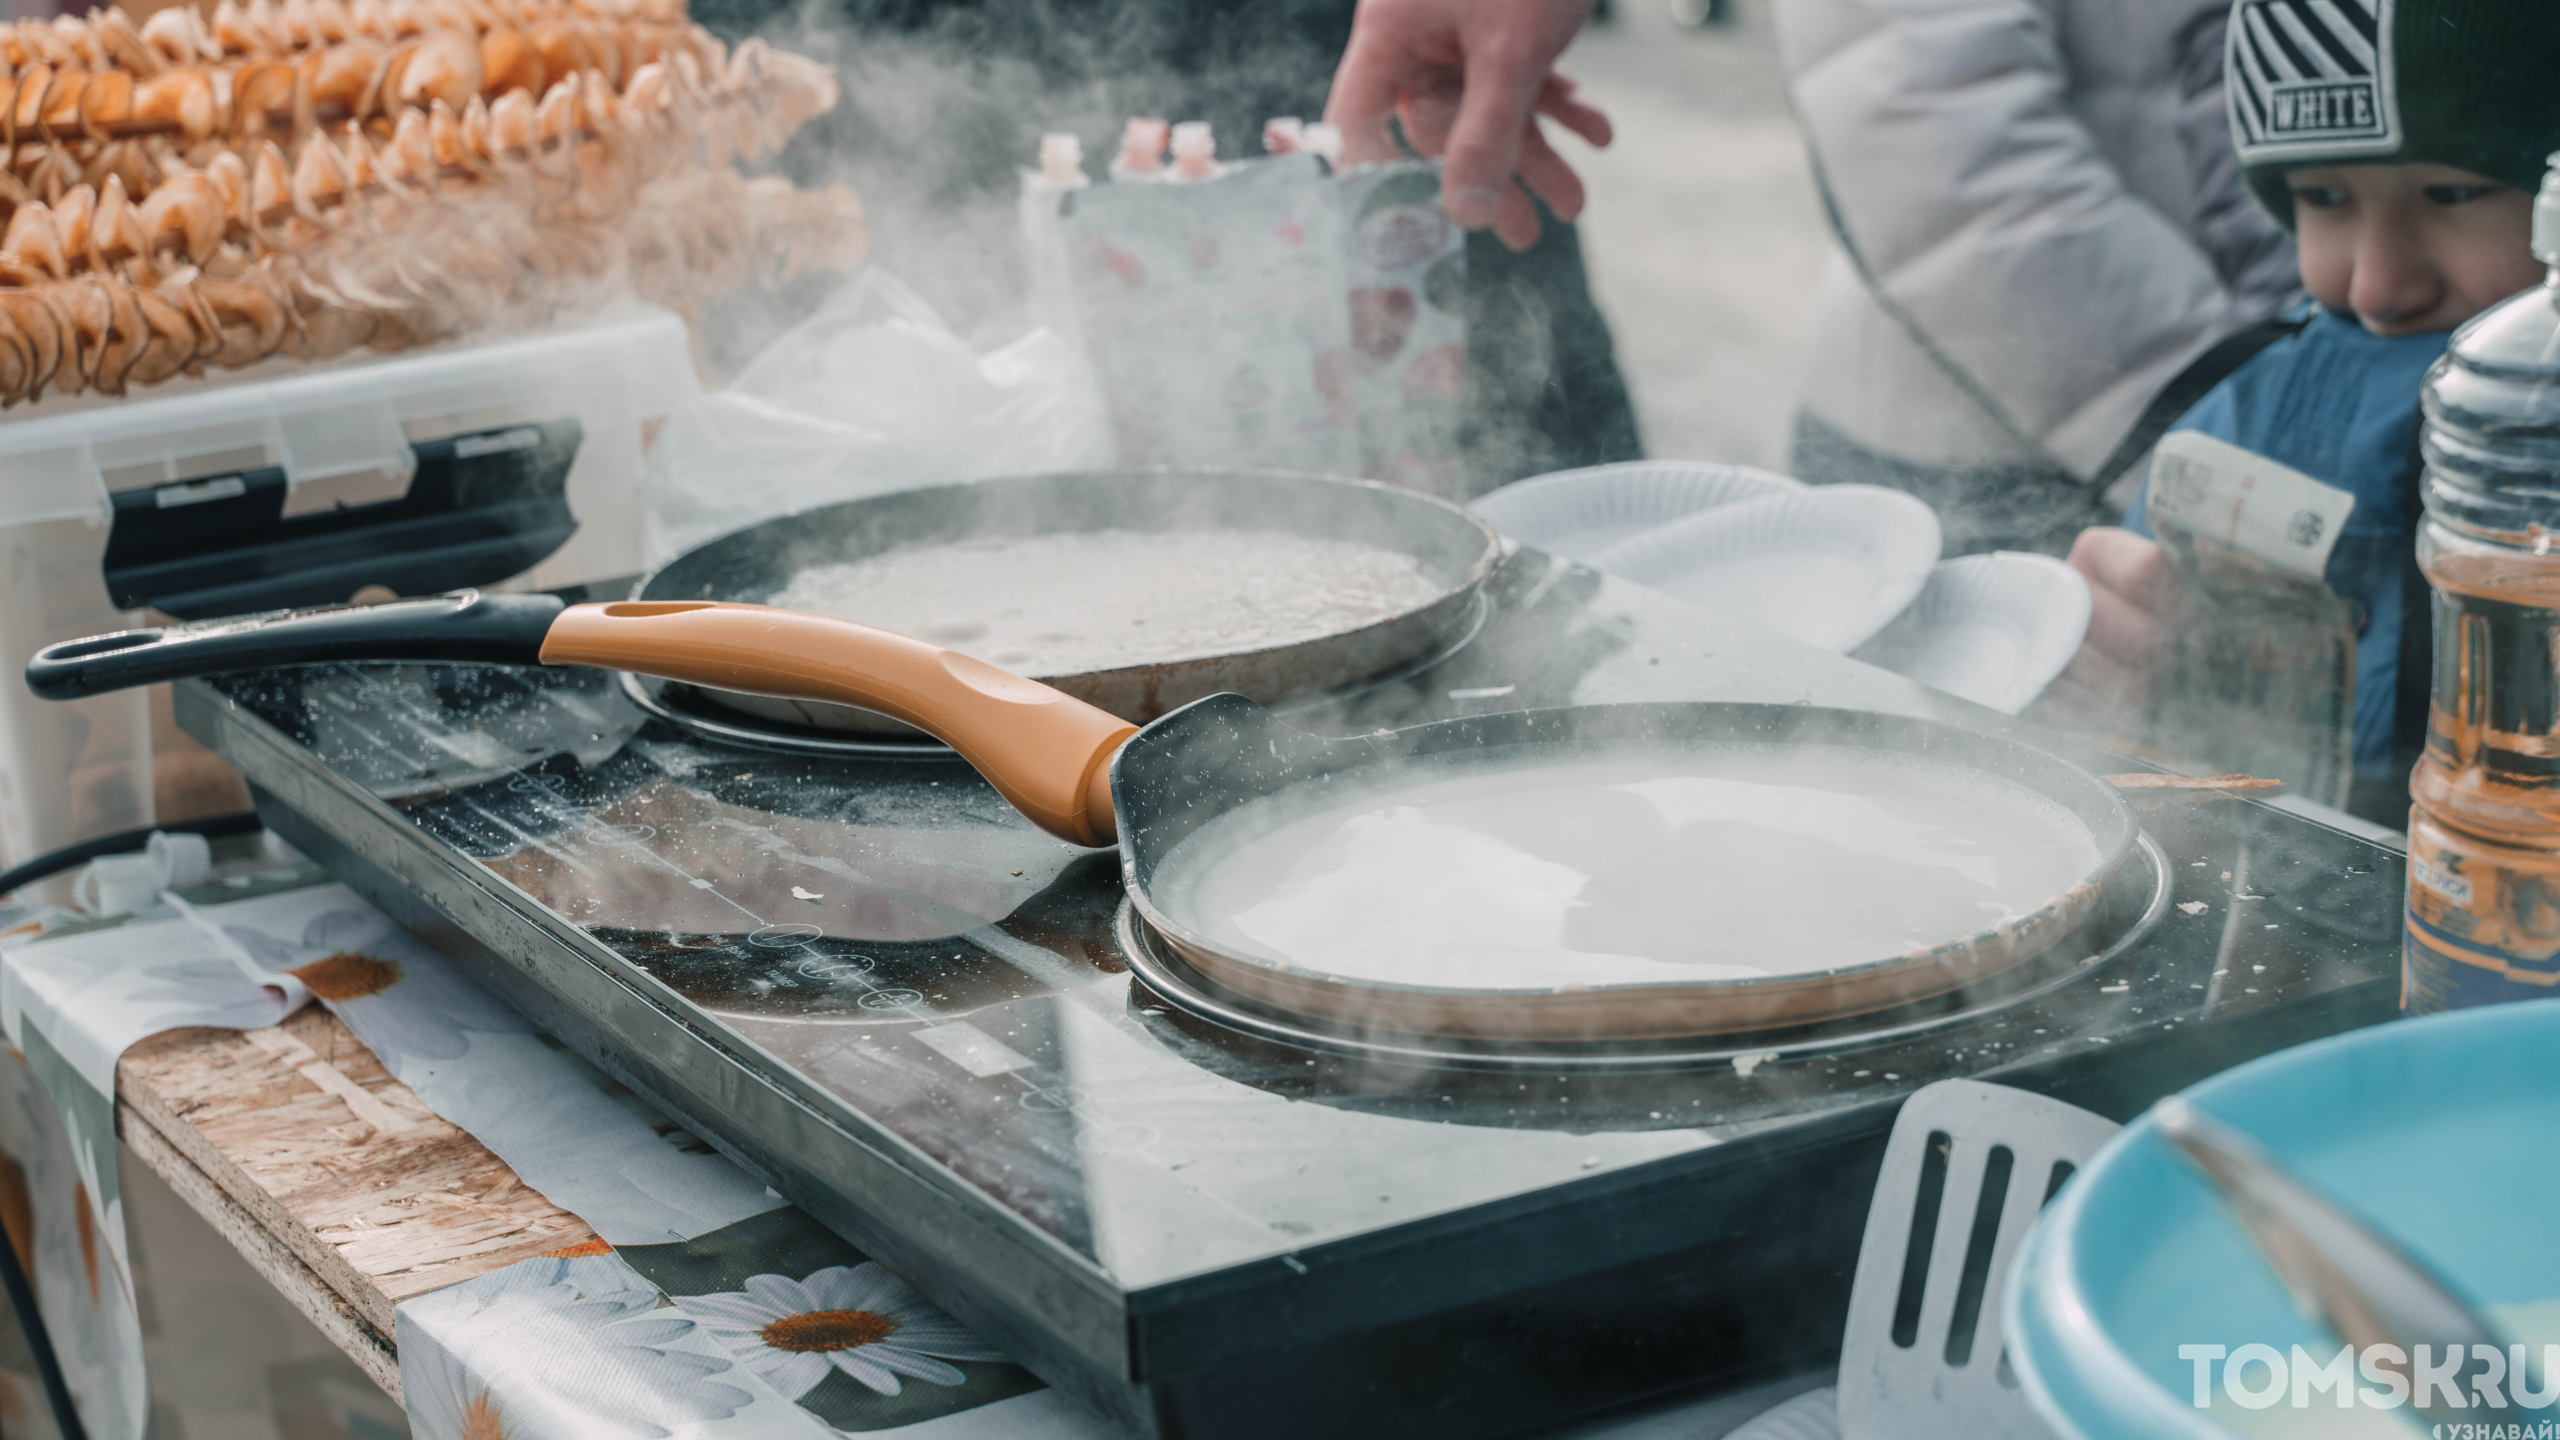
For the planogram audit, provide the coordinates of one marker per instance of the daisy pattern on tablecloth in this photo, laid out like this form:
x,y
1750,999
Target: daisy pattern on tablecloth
x,y
402,999
589,1267
859,1319
100,1219
510,1355
209,992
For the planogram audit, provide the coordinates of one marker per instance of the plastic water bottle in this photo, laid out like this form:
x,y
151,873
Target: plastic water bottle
x,y
1044,193
1195,151
2484,830
1141,157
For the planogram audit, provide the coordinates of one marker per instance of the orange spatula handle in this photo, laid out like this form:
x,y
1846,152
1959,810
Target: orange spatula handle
x,y
1046,752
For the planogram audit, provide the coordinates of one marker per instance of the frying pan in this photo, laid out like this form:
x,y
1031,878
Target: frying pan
x,y
1091,778
1455,550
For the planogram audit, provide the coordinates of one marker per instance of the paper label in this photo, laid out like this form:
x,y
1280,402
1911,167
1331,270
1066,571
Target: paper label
x,y
2247,502
2482,926
2445,882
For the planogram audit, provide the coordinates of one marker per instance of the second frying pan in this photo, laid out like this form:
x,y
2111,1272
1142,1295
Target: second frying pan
x,y
1093,779
1453,550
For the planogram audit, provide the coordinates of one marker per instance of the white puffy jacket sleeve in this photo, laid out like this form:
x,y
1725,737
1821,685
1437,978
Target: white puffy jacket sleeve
x,y
2008,182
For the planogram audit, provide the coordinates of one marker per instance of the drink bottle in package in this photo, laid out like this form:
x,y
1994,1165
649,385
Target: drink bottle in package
x,y
2483,919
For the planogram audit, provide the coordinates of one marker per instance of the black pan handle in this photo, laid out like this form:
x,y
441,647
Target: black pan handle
x,y
466,627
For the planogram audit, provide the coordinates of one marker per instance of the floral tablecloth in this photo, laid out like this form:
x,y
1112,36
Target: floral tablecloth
x,y
710,1308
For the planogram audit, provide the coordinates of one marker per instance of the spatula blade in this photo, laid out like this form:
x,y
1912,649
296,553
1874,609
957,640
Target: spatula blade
x,y
1968,1169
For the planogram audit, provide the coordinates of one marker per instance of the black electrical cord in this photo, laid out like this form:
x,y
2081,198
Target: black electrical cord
x,y
22,1298
22,1295
54,862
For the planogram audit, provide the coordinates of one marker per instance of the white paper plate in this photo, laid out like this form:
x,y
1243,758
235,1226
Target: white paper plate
x,y
1825,564
1578,513
1993,629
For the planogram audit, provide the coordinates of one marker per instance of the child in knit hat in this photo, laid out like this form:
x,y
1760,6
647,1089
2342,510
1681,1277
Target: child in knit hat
x,y
2401,141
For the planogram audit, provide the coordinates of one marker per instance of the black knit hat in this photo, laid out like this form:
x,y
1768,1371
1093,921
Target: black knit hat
x,y
2474,84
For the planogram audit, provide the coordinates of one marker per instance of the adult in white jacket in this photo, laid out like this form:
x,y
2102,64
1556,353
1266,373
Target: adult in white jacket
x,y
2041,226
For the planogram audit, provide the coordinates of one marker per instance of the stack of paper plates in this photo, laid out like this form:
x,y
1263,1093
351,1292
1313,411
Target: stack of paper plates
x,y
1994,629
1843,567
1578,513
1828,565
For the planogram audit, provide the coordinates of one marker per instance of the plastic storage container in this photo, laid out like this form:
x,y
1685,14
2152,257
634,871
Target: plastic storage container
x,y
2484,830
291,483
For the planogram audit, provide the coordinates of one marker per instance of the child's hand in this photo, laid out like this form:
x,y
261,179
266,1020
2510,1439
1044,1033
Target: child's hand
x,y
2134,597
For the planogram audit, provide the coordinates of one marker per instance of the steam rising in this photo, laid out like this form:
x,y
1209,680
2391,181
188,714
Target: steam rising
x,y
943,104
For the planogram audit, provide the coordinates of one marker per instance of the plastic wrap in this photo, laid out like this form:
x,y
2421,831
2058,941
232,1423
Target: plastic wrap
x,y
1270,312
873,393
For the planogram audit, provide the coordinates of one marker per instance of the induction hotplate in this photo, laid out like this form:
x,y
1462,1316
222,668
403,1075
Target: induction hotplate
x,y
937,1030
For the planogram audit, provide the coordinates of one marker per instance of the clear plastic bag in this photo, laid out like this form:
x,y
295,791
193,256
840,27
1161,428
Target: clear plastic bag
x,y
1277,315
871,394
2261,680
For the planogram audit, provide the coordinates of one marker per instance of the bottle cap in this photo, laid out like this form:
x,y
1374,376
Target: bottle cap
x,y
1283,135
1195,151
1062,158
1141,145
1324,141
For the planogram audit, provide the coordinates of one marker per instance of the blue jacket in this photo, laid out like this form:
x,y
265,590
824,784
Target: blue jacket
x,y
2338,403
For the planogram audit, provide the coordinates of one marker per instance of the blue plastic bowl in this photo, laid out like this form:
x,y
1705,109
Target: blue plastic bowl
x,y
2443,1131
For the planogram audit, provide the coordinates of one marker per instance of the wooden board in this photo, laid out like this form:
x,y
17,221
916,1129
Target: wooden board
x,y
373,1351
327,1174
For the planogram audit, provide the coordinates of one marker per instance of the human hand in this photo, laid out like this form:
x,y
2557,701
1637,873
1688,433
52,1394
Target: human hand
x,y
2134,599
1468,79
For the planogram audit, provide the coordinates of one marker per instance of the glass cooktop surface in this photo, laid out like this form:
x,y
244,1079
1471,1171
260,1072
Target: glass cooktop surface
x,y
888,933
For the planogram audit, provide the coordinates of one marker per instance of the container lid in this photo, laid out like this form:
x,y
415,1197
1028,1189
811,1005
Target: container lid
x,y
321,422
